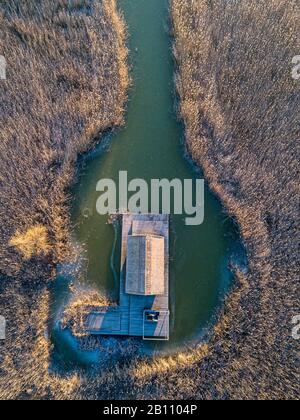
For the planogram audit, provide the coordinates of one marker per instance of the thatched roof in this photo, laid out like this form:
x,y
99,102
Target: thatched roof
x,y
145,270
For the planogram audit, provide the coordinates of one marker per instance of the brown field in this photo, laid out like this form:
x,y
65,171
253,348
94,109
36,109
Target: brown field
x,y
240,107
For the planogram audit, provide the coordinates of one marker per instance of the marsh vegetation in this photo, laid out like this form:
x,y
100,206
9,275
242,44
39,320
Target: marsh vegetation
x,y
240,107
66,85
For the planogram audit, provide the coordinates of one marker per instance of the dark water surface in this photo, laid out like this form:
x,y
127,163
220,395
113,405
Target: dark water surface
x,y
150,146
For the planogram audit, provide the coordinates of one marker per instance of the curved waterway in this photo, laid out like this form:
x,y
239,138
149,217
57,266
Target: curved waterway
x,y
151,146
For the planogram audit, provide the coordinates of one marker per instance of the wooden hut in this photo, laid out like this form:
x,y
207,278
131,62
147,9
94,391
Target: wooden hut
x,y
145,268
143,309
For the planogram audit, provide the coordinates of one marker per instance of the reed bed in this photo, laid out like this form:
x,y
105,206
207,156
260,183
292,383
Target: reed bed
x,y
66,85
240,107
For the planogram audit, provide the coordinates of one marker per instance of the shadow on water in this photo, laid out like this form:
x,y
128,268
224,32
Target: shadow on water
x,y
149,146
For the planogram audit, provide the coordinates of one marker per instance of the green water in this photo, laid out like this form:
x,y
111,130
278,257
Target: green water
x,y
150,146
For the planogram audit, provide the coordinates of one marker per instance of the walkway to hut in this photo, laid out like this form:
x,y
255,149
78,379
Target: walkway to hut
x,y
143,309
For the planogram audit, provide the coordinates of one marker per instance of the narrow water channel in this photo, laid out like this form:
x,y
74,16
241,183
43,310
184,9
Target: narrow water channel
x,y
150,146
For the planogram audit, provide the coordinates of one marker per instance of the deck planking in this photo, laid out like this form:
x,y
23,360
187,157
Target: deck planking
x,y
128,318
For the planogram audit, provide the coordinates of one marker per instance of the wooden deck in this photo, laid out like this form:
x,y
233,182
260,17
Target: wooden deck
x,y
128,319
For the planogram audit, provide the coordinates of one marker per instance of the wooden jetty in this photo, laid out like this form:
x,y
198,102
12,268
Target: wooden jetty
x,y
143,309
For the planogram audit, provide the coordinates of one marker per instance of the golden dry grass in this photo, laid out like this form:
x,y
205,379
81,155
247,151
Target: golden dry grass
x,y
66,84
33,242
241,128
240,107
